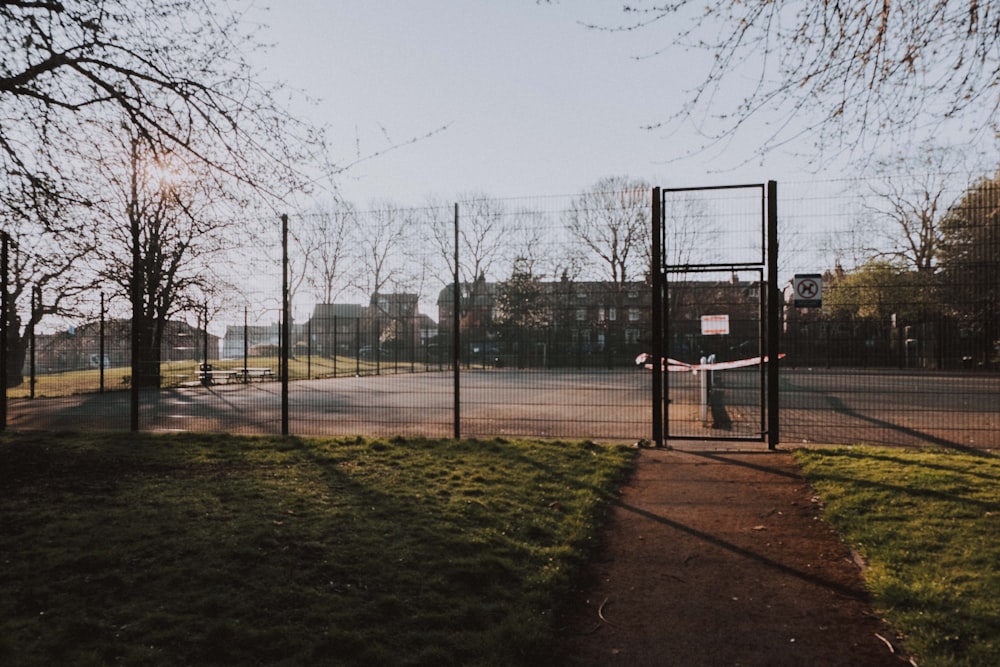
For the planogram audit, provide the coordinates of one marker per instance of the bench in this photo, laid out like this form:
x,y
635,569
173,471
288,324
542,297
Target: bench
x,y
235,375
217,377
258,373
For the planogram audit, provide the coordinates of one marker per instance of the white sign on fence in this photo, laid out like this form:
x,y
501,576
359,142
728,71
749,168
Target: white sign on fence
x,y
714,325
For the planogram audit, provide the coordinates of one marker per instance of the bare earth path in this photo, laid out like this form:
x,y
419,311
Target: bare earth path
x,y
719,558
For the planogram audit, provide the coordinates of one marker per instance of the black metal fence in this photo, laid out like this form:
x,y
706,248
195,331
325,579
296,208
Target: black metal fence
x,y
524,317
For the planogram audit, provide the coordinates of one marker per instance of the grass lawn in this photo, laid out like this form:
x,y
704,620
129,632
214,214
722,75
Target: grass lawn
x,y
207,549
177,373
928,522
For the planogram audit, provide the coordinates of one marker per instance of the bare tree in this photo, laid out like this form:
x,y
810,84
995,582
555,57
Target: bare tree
x,y
483,226
691,232
173,70
169,81
46,279
610,222
535,247
842,74
904,207
329,233
159,224
380,246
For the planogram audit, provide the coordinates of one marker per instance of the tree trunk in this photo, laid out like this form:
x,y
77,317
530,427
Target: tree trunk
x,y
147,365
17,351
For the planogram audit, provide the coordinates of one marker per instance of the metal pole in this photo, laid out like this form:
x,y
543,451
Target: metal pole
x,y
656,281
136,297
285,324
246,347
101,345
774,310
309,349
456,333
4,323
377,347
36,307
204,334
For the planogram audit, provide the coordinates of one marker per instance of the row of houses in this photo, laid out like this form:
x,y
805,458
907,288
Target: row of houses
x,y
79,348
555,323
390,324
573,323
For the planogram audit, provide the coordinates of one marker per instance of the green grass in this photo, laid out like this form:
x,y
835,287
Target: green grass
x,y
188,549
177,373
928,523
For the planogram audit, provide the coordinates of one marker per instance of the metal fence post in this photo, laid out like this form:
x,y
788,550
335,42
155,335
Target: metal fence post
x,y
285,324
656,317
36,307
774,310
101,333
246,346
455,347
4,323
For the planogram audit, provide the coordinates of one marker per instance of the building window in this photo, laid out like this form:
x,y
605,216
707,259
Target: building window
x,y
633,314
581,314
612,313
631,335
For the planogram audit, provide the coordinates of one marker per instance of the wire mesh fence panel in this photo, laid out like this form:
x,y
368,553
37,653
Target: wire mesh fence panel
x,y
712,226
905,349
714,381
543,305
597,403
890,408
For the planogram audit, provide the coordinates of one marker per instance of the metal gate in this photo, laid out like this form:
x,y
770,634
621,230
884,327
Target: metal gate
x,y
716,313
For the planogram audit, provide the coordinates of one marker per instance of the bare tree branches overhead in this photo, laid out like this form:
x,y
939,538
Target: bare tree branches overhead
x,y
171,69
842,75
154,235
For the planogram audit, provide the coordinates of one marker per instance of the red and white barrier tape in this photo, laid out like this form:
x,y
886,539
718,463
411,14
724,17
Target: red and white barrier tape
x,y
674,366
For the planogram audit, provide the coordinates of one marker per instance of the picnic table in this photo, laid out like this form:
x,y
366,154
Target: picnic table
x,y
209,375
261,373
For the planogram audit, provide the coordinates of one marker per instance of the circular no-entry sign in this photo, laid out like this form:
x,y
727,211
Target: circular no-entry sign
x,y
808,290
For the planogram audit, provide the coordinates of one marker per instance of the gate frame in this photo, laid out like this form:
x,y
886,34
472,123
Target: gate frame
x,y
771,312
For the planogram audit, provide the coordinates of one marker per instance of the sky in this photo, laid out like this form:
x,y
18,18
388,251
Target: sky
x,y
445,100
513,98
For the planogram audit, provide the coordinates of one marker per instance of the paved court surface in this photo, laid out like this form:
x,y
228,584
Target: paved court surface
x,y
817,406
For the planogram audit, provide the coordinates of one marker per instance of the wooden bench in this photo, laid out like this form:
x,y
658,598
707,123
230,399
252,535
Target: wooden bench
x,y
258,373
235,375
217,377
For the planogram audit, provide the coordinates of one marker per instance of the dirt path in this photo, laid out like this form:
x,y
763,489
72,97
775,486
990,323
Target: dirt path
x,y
719,558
